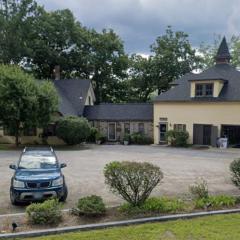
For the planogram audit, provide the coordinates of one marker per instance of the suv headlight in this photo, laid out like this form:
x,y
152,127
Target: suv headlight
x,y
18,184
57,182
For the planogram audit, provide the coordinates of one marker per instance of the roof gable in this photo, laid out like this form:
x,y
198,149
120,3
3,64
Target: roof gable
x,y
72,94
230,90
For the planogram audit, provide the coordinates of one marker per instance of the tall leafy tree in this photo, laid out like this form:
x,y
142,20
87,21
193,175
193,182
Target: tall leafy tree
x,y
108,65
22,101
52,40
173,57
39,40
47,103
17,21
141,78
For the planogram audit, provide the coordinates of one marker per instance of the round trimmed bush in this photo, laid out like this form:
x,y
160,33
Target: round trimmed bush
x,y
91,206
73,130
235,172
48,212
177,138
134,181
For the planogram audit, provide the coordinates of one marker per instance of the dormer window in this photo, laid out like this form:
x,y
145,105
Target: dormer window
x,y
209,89
204,90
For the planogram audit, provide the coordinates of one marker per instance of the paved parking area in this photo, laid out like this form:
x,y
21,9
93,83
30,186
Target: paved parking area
x,y
84,174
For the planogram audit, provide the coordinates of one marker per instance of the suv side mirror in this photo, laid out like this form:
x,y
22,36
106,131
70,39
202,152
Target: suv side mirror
x,y
12,166
63,165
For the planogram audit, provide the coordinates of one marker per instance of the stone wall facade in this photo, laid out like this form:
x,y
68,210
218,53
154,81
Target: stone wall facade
x,y
103,127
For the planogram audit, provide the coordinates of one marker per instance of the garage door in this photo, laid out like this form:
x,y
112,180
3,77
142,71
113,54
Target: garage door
x,y
232,132
204,134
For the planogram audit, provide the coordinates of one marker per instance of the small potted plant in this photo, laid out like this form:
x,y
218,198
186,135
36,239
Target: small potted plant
x,y
126,139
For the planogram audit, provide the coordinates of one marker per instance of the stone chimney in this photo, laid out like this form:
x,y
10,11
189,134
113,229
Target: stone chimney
x,y
56,73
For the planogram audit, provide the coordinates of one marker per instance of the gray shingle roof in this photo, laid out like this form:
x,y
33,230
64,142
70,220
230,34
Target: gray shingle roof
x,y
72,94
120,112
230,91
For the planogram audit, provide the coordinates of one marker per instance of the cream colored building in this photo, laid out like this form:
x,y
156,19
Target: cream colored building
x,y
207,105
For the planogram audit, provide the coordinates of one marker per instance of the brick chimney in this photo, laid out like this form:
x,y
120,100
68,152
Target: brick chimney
x,y
56,73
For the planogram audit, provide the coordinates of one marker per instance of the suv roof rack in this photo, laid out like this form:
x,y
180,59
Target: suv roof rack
x,y
26,149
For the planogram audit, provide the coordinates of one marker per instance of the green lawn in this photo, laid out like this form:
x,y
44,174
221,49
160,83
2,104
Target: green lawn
x,y
214,227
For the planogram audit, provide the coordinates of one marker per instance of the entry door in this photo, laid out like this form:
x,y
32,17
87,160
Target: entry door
x,y
162,132
112,131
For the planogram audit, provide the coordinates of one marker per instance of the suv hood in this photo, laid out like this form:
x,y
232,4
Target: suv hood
x,y
40,175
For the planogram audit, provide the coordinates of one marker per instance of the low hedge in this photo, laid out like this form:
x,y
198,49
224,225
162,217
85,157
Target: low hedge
x,y
139,138
48,212
155,205
91,206
215,202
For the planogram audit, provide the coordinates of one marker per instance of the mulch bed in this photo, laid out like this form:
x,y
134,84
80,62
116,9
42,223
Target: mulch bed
x,y
69,220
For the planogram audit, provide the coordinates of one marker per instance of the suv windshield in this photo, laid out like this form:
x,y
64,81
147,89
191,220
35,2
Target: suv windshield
x,y
38,160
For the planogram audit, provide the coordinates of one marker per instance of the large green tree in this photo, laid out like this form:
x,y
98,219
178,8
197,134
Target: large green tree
x,y
53,38
39,40
47,103
141,78
24,102
173,57
17,22
108,65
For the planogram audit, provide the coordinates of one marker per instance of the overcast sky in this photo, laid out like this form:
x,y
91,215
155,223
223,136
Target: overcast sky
x,y
139,22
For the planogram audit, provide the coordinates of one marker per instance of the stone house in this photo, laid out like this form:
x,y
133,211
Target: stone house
x,y
77,98
116,120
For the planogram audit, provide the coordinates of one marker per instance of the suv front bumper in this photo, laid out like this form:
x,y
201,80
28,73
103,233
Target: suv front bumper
x,y
28,195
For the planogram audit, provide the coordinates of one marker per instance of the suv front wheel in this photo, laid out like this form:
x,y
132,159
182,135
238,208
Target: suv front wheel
x,y
65,194
13,197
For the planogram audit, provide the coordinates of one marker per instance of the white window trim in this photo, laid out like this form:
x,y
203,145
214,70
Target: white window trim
x,y
115,131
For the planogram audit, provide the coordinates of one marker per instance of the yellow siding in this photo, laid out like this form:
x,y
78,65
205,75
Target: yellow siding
x,y
218,85
190,113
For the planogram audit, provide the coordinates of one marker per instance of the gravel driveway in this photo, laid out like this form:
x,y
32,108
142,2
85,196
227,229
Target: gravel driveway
x,y
84,174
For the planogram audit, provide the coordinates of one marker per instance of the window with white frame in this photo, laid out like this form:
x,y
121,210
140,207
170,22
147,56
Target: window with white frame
x,y
204,90
179,127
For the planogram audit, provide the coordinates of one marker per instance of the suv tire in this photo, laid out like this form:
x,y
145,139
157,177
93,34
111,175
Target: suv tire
x,y
13,198
65,194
